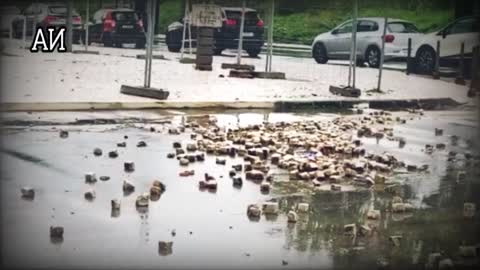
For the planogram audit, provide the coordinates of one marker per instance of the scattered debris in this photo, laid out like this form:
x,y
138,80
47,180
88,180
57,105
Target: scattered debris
x,y
129,166
438,132
90,178
90,195
265,187
28,192
63,134
171,155
237,181
187,173
292,217
115,204
373,214
142,200
97,152
122,144
401,207
221,161
395,240
271,208
104,178
350,229
56,232
128,187
141,144
113,154
184,162
303,207
254,211
165,248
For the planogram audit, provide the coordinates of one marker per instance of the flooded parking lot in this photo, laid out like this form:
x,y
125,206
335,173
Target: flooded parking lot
x,y
211,228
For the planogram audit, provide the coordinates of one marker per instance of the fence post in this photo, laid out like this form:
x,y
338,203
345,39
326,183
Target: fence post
x,y
409,56
460,80
86,26
382,56
436,74
240,39
475,80
24,32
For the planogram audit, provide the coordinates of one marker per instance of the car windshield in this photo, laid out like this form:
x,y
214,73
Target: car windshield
x,y
125,16
60,10
402,27
237,15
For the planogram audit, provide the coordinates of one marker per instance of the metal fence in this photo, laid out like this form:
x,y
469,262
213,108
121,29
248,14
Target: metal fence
x,y
93,21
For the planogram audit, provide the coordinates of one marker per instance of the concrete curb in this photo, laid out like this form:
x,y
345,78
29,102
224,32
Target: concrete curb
x,y
280,106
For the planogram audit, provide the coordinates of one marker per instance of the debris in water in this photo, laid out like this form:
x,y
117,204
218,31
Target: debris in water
x,y
28,192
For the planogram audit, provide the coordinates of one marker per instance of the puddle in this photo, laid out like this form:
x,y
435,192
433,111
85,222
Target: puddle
x,y
212,229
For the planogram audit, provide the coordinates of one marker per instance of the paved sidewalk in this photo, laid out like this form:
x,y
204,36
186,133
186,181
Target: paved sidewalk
x,y
76,78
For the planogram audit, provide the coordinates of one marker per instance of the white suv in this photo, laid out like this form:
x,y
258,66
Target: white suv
x,y
337,43
464,30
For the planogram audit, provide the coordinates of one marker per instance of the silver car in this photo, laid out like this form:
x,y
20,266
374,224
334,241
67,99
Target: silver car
x,y
337,43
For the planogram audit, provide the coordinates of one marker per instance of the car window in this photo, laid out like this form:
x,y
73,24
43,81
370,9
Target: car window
x,y
125,16
367,26
402,27
60,10
345,28
463,26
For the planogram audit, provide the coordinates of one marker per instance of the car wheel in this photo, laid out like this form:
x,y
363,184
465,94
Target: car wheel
x,y
140,45
373,56
174,49
425,60
320,53
217,51
107,42
254,52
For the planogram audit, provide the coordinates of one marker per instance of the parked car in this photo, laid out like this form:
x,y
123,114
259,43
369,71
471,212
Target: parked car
x,y
44,15
114,27
463,30
226,37
7,15
336,44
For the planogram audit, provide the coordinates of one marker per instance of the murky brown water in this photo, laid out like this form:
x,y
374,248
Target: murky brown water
x,y
212,229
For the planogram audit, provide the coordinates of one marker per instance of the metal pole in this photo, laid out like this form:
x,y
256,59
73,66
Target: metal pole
x,y
382,55
34,18
10,34
461,67
190,49
350,62
24,32
240,41
150,34
409,56
436,74
69,25
86,26
184,29
270,37
355,14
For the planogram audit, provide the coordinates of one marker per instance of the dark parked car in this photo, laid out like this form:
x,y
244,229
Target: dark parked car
x,y
114,27
44,15
227,36
7,15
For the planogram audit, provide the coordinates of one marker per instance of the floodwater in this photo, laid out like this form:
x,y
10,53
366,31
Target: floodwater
x,y
212,229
